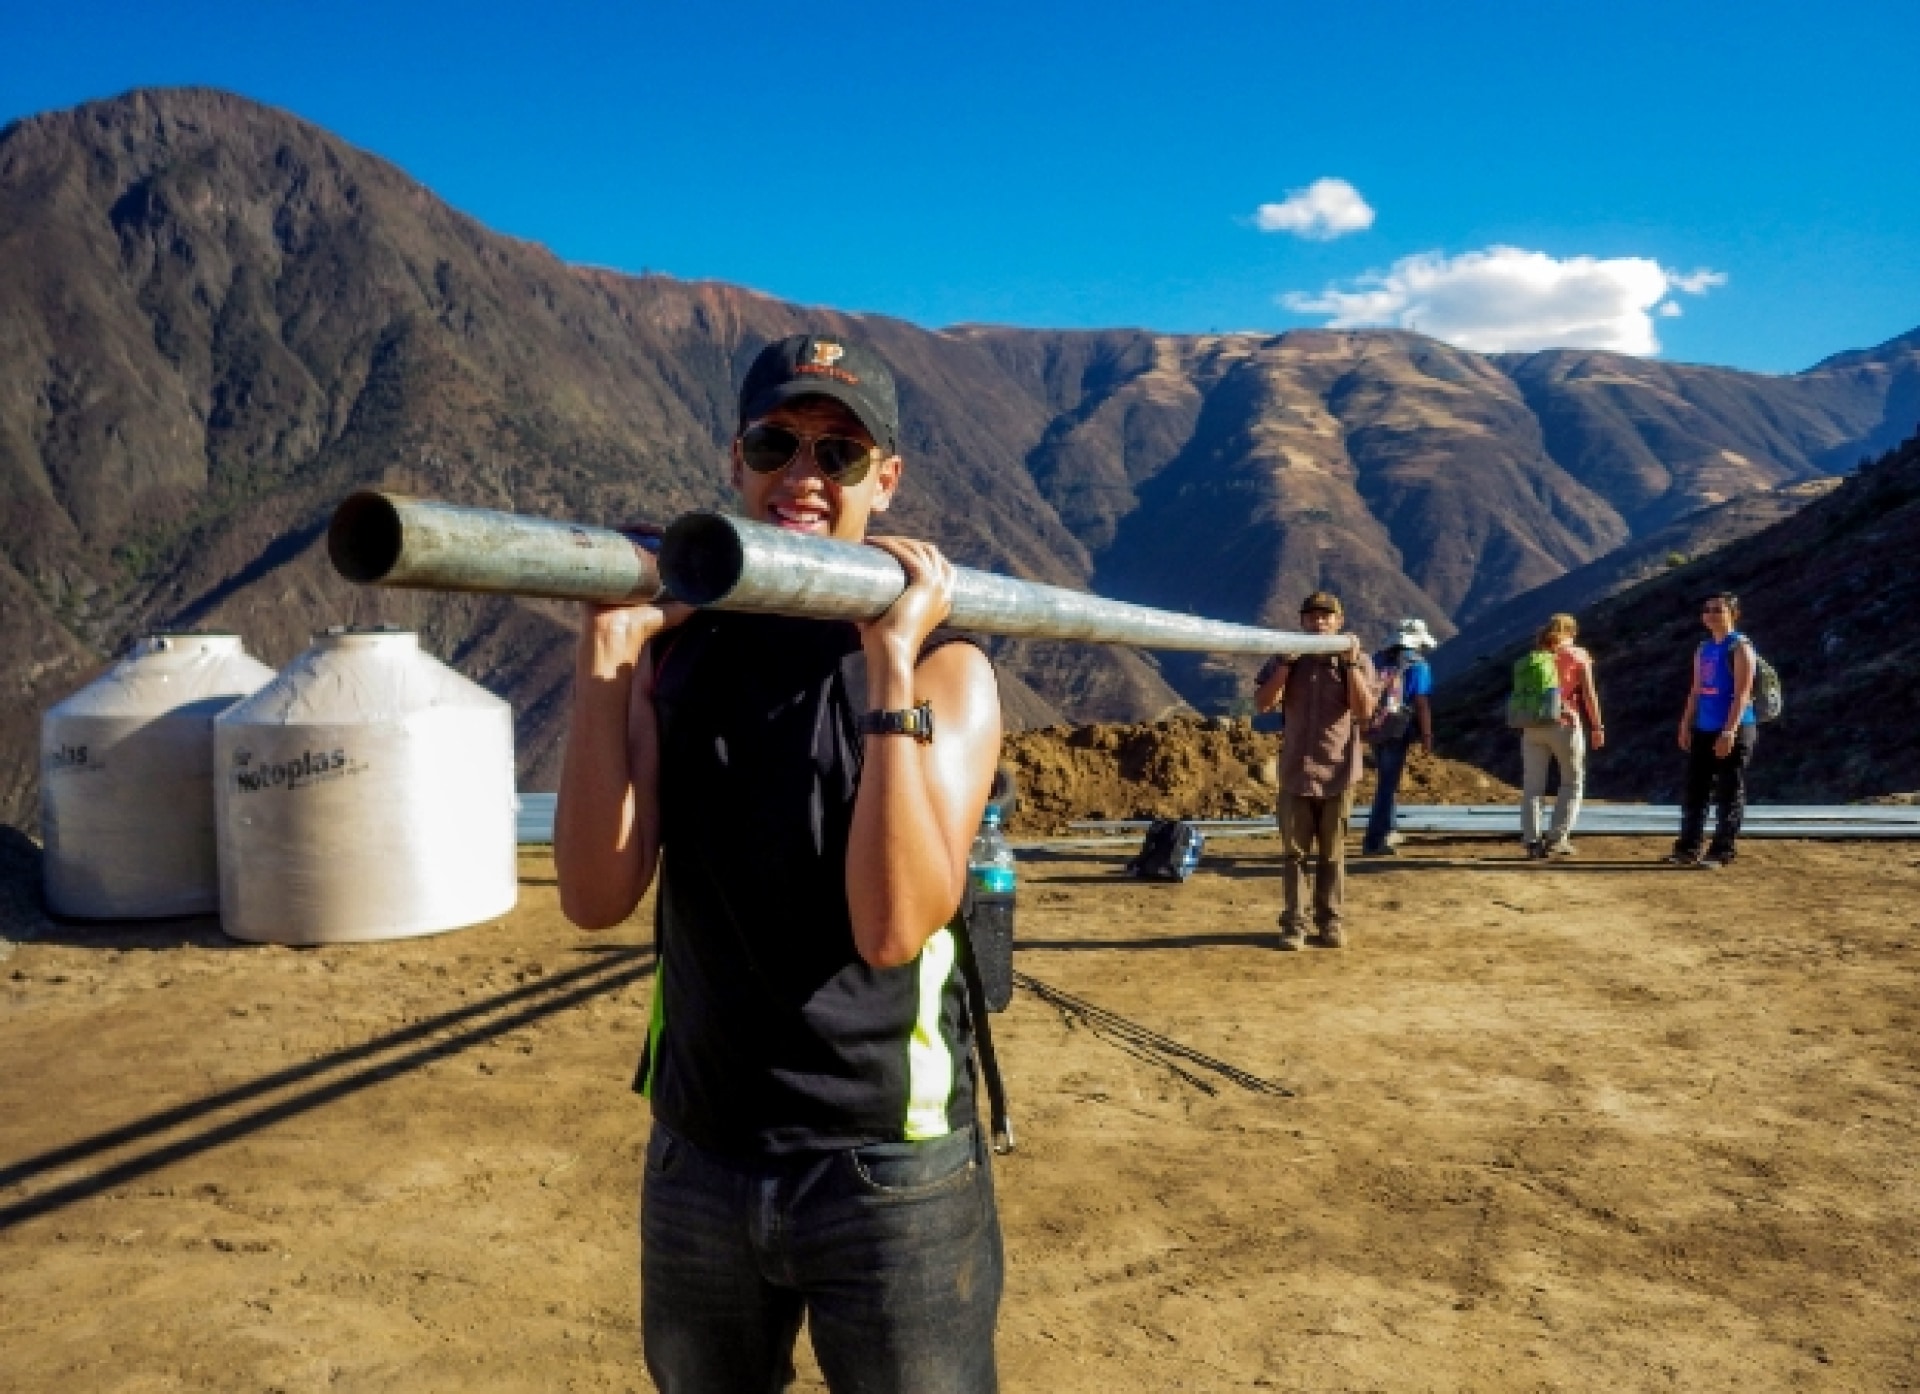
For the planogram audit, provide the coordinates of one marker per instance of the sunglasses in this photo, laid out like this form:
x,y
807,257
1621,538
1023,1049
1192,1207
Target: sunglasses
x,y
770,449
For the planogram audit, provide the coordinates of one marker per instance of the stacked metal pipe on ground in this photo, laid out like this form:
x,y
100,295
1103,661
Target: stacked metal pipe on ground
x,y
1597,820
1491,820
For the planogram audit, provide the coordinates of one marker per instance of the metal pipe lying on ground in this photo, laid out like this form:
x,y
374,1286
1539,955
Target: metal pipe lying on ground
x,y
382,539
1815,822
1804,822
725,563
1661,816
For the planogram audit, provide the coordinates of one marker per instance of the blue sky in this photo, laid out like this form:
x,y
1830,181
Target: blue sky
x,y
1546,172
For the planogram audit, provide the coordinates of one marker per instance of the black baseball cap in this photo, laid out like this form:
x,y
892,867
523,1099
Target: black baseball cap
x,y
825,365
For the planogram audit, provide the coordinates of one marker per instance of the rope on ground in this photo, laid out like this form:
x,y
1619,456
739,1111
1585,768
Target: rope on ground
x,y
1147,1045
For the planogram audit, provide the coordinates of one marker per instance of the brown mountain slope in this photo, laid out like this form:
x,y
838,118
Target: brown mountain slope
x,y
1687,538
1660,440
1829,596
216,319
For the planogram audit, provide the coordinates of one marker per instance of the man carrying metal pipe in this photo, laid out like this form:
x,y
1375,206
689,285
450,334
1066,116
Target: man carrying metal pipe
x,y
1327,701
808,791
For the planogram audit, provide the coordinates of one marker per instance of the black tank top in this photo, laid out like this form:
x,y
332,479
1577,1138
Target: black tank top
x,y
770,1034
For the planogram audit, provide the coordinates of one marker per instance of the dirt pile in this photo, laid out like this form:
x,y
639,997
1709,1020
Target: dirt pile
x,y
1201,767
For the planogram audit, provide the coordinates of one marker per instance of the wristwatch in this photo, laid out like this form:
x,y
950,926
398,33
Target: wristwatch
x,y
913,721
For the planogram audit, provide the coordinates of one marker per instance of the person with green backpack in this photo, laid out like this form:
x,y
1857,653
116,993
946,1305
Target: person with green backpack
x,y
1556,708
1718,731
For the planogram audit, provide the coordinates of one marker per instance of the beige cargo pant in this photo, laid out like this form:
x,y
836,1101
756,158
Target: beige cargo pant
x,y
1317,827
1541,746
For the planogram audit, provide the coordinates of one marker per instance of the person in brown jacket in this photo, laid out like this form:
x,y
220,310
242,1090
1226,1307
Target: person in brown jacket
x,y
1327,700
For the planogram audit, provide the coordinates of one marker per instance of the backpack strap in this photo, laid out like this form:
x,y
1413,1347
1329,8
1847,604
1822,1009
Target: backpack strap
x,y
1000,1121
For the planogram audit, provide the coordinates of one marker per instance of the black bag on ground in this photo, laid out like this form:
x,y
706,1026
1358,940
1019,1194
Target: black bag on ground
x,y
1169,852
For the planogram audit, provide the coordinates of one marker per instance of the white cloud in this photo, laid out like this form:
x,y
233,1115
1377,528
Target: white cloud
x,y
1509,298
1324,210
1697,282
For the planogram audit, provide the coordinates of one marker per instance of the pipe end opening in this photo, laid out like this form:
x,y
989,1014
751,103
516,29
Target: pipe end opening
x,y
365,537
701,558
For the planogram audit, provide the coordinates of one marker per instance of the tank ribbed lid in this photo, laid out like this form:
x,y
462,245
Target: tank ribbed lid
x,y
382,636
183,643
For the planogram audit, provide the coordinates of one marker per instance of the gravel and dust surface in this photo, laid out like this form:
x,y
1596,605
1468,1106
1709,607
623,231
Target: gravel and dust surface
x,y
1575,1126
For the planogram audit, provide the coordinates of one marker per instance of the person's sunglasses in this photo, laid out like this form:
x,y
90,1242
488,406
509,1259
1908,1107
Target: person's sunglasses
x,y
770,449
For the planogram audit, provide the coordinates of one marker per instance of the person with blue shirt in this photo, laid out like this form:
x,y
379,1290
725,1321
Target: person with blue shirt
x,y
1717,731
1403,715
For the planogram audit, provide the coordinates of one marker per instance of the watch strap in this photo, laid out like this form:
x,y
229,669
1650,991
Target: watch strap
x,y
916,721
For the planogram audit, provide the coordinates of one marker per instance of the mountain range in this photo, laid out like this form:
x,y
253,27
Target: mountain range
x,y
1686,538
216,319
1828,596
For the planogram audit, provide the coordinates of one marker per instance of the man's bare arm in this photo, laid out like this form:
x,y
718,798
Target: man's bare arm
x,y
606,825
919,803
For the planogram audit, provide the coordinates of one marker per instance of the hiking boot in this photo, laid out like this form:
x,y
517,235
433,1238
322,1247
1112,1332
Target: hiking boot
x,y
1560,847
1290,940
1329,938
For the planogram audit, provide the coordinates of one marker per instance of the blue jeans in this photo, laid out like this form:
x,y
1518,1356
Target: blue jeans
x,y
891,1252
1389,762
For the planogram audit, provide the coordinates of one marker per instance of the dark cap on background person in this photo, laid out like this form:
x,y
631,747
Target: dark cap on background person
x,y
825,365
1322,600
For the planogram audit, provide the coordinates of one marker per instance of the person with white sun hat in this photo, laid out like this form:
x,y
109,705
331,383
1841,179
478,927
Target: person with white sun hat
x,y
1402,716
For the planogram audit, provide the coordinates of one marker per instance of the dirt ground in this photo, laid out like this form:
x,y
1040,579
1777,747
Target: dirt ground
x,y
1578,1126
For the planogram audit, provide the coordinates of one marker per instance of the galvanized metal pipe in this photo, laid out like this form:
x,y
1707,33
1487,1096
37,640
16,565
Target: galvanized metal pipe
x,y
1809,823
382,539
1832,823
726,563
1665,816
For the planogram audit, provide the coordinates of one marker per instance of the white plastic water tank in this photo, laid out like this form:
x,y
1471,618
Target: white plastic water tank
x,y
365,793
126,779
